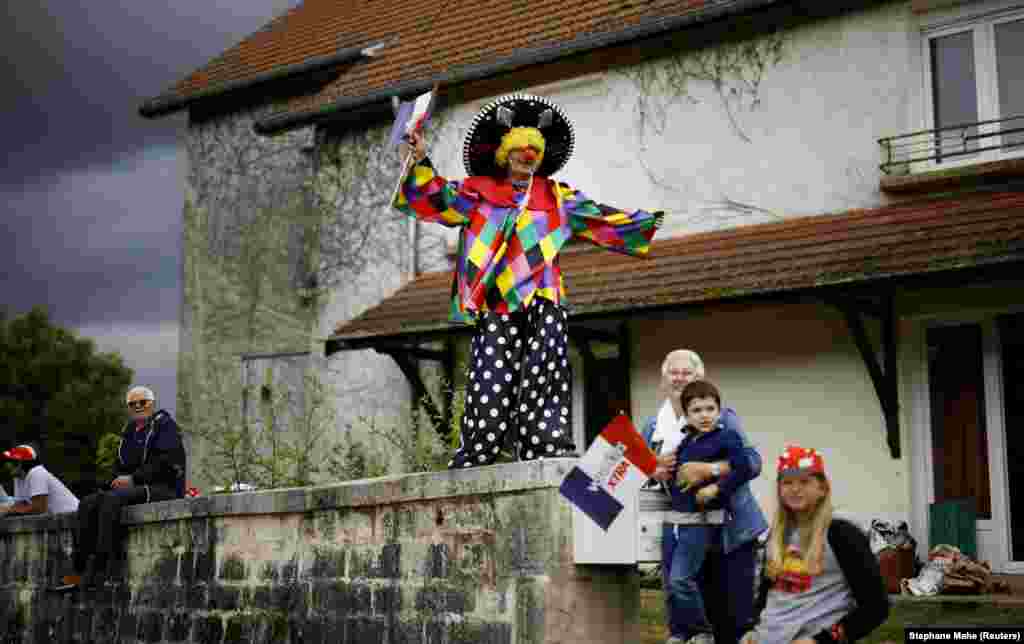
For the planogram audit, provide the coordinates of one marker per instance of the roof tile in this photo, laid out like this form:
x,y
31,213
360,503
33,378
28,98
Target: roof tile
x,y
425,39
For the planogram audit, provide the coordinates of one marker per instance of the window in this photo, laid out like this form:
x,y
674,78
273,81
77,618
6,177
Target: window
x,y
976,85
1011,336
273,388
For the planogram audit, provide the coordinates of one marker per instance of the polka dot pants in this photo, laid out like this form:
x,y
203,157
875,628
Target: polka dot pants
x,y
520,382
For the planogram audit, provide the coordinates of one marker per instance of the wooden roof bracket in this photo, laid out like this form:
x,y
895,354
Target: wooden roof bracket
x,y
884,376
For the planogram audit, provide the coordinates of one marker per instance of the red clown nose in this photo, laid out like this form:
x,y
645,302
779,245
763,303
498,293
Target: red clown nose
x,y
529,154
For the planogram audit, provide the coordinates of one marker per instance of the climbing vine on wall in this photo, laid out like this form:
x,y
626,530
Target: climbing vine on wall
x,y
352,190
734,70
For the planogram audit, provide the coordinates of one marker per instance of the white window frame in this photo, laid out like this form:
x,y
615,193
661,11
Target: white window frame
x,y
980,19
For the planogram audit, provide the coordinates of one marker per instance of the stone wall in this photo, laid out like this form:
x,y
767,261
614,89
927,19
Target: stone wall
x,y
483,555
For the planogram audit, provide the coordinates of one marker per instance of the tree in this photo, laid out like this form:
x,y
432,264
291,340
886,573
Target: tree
x,y
57,391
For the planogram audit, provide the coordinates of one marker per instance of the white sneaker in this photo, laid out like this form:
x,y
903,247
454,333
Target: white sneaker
x,y
701,638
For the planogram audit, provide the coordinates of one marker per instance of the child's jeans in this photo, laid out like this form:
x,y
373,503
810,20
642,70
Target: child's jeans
x,y
683,549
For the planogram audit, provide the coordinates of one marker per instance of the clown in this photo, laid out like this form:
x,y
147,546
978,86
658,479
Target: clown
x,y
513,220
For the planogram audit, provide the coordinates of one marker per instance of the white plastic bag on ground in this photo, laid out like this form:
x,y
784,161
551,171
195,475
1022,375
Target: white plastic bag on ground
x,y
932,576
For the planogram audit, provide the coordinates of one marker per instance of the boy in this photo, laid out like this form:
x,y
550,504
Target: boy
x,y
694,526
36,491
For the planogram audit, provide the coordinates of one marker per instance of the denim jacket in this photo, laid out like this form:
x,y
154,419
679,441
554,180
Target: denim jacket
x,y
744,521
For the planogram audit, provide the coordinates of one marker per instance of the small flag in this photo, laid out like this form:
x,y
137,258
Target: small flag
x,y
611,473
410,116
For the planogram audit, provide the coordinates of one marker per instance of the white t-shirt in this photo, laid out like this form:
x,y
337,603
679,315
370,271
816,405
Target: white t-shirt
x,y
668,429
40,481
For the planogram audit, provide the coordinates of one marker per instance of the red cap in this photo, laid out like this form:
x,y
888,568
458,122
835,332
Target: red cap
x,y
20,453
800,460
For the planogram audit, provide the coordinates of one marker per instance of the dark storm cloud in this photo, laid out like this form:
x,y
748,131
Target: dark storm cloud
x,y
74,73
95,245
90,192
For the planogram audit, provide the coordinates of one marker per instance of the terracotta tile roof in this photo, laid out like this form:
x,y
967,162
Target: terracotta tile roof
x,y
857,246
425,40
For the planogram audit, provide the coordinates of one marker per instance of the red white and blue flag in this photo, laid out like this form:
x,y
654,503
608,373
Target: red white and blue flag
x,y
611,473
410,116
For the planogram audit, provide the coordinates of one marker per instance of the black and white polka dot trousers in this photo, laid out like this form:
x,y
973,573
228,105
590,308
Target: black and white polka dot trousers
x,y
519,381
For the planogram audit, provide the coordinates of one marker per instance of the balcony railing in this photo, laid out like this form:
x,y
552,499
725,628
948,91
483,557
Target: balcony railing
x,y
951,143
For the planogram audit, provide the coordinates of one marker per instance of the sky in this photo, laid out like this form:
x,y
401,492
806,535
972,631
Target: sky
x,y
91,193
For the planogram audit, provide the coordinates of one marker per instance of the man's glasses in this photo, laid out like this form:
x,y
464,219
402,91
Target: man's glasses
x,y
138,404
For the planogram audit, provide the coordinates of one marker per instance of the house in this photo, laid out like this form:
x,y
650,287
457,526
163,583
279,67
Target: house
x,y
843,247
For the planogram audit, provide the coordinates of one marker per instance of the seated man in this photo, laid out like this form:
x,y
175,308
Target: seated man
x,y
36,491
150,467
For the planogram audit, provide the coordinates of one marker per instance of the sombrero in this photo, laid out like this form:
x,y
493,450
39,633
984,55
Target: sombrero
x,y
518,110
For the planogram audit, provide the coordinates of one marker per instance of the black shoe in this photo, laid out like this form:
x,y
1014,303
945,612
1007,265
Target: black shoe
x,y
112,572
95,573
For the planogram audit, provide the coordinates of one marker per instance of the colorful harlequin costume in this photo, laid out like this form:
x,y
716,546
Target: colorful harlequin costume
x,y
507,276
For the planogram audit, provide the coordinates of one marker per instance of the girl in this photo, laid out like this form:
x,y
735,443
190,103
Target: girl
x,y
822,584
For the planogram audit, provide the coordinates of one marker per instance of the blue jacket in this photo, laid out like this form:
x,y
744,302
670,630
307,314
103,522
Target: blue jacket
x,y
744,521
154,455
719,444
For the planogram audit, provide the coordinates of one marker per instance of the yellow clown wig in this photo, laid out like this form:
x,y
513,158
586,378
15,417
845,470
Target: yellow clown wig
x,y
516,138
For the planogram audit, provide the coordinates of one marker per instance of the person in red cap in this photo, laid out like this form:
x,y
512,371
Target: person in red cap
x,y
822,583
36,490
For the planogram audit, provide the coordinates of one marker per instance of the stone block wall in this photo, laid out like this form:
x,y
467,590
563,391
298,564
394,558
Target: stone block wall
x,y
482,556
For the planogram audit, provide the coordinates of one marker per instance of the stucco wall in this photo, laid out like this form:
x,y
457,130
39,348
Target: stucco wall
x,y
249,225
369,385
481,556
285,237
796,138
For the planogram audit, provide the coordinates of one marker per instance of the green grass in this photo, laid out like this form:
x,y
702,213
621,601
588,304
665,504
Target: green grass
x,y
951,613
945,614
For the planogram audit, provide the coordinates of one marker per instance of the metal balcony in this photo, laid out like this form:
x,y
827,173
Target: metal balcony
x,y
950,143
